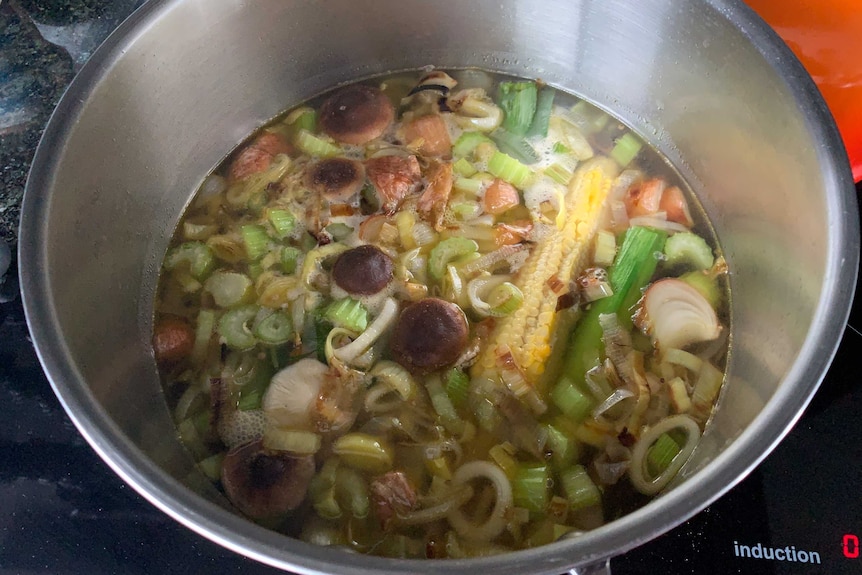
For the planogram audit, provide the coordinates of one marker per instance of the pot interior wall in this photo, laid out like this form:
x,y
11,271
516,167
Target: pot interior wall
x,y
173,98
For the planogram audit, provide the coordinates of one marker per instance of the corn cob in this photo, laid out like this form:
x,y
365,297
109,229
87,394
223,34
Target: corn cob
x,y
530,332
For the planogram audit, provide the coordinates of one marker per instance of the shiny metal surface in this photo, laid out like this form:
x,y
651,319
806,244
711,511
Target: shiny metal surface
x,y
183,81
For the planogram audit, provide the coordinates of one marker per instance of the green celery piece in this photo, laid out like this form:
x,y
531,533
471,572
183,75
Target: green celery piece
x,y
544,105
515,146
633,267
518,101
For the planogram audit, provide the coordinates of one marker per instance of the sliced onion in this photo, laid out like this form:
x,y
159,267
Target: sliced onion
x,y
496,521
638,473
492,258
609,472
617,396
457,498
378,327
658,223
479,288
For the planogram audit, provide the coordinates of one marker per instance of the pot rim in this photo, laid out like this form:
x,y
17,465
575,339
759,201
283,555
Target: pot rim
x,y
233,532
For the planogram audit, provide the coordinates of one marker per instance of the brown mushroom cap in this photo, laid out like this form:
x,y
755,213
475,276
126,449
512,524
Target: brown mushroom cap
x,y
264,484
336,178
364,270
430,334
356,114
173,339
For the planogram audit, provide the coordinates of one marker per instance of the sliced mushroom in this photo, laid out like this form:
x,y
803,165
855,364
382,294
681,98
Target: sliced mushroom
x,y
257,156
364,270
293,393
173,340
265,484
356,114
676,315
394,178
336,179
430,334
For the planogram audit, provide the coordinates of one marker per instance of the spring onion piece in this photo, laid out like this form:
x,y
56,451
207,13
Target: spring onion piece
x,y
289,259
627,147
233,327
310,144
469,186
509,169
381,324
690,250
274,329
660,455
571,400
321,490
211,466
467,142
464,168
443,406
255,240
446,251
364,452
544,105
564,449
634,266
640,476
283,222
515,146
339,230
395,377
196,255
504,299
518,101
457,386
347,313
579,488
228,288
292,440
530,487
480,288
304,118
314,259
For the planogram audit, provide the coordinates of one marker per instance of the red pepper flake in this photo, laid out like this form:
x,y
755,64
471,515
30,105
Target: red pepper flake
x,y
556,284
566,301
626,438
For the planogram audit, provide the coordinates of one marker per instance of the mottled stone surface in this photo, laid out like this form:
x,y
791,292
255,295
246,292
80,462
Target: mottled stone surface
x,y
43,43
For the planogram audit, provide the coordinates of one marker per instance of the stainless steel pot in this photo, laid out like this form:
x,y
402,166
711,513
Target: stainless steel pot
x,y
183,81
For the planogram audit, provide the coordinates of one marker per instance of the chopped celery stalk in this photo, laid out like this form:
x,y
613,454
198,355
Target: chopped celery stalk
x,y
203,334
530,488
289,258
255,240
504,299
228,288
690,250
559,173
706,284
467,142
321,490
579,488
564,450
627,147
518,102
661,453
292,440
446,251
211,466
509,169
467,185
587,118
633,267
233,327
457,386
464,168
274,329
283,222
347,313
351,490
544,105
571,401
465,210
443,406
310,144
196,255
605,248
339,230
515,146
